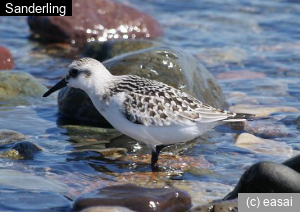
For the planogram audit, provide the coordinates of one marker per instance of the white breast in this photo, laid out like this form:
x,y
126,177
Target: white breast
x,y
151,135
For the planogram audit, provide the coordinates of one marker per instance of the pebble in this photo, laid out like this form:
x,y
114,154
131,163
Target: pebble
x,y
263,146
6,59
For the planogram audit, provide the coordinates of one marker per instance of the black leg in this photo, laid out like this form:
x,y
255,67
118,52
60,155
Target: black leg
x,y
154,157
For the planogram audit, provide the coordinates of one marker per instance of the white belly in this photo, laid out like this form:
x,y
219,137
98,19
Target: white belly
x,y
151,135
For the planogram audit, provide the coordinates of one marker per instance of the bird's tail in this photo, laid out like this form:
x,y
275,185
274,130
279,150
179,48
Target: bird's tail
x,y
240,117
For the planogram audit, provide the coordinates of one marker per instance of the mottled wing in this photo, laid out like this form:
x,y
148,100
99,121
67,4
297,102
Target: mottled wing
x,y
150,102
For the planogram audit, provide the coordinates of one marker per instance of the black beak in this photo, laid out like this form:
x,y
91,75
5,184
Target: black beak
x,y
59,85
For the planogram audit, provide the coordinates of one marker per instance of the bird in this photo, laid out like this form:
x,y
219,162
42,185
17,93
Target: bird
x,y
146,110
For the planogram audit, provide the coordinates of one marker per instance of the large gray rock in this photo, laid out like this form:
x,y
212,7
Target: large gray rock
x,y
15,84
167,65
267,177
293,163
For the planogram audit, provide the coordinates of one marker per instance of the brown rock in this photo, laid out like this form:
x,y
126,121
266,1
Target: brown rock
x,y
137,199
107,209
95,20
6,59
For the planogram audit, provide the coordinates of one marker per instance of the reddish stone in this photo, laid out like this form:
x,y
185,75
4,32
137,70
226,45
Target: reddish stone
x,y
6,59
136,198
95,20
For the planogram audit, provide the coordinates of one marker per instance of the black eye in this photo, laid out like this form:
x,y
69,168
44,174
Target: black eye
x,y
74,72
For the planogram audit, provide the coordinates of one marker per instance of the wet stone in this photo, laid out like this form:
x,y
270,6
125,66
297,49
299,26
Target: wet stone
x,y
293,163
136,198
97,20
107,209
167,65
203,192
173,162
113,153
8,136
6,59
110,153
21,150
89,136
15,84
267,177
267,129
263,146
129,144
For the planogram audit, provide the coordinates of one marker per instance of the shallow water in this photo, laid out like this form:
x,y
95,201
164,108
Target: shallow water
x,y
226,36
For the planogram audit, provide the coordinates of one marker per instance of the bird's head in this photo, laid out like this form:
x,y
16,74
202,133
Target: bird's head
x,y
82,74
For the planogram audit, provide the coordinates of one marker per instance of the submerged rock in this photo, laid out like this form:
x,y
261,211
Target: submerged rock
x,y
220,56
90,137
95,20
21,150
105,50
240,75
8,136
267,129
15,84
136,198
163,64
28,200
6,59
17,180
267,177
170,162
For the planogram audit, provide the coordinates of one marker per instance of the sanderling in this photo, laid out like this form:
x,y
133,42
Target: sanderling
x,y
143,109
